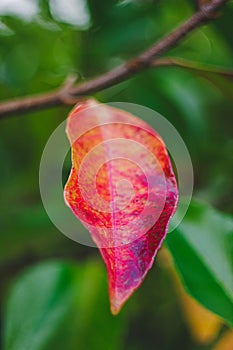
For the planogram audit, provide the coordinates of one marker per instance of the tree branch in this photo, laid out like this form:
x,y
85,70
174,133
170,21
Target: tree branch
x,y
196,66
70,94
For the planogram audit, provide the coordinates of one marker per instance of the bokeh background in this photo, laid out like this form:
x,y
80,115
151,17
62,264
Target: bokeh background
x,y
54,291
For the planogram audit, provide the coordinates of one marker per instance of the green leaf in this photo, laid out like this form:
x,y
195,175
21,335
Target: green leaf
x,y
58,305
202,249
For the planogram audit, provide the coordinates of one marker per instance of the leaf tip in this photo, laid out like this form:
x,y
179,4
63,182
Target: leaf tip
x,y
116,305
114,310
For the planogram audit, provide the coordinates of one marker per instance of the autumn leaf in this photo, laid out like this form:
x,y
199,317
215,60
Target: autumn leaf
x,y
122,188
204,326
225,342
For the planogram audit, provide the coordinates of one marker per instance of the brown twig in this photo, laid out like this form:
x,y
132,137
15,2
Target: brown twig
x,y
178,62
143,61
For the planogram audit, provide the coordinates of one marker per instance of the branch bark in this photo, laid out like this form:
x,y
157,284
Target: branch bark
x,y
70,94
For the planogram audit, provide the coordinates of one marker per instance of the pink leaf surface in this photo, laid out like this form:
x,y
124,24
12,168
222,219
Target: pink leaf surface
x,y
122,188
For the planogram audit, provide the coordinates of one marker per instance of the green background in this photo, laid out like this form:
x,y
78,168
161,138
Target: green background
x,y
54,291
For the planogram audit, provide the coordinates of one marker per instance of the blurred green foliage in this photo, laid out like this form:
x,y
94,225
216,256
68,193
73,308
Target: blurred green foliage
x,y
204,243
61,299
37,53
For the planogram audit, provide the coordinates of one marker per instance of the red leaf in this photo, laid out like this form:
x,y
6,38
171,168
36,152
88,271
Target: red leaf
x,y
122,188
